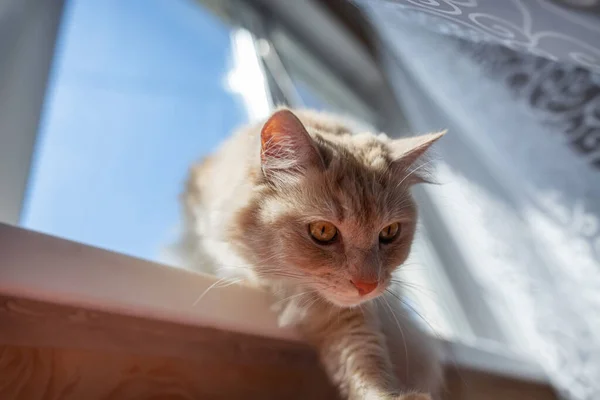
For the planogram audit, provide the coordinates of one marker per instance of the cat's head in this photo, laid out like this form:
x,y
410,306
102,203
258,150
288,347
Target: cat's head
x,y
332,213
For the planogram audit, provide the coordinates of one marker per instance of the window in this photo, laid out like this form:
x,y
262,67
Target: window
x,y
139,90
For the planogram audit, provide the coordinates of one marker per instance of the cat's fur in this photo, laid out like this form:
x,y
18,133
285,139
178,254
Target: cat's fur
x,y
247,209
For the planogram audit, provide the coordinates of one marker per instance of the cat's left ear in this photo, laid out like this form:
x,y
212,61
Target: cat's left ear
x,y
406,152
286,146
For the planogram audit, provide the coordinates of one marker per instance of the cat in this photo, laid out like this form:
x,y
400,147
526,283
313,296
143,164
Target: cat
x,y
320,214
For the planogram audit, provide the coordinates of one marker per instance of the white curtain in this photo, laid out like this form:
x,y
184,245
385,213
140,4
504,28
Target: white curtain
x,y
520,190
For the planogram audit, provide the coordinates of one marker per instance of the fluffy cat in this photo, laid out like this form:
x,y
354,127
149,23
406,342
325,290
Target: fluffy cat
x,y
321,215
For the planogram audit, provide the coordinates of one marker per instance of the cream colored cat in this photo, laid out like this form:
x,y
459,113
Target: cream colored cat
x,y
321,215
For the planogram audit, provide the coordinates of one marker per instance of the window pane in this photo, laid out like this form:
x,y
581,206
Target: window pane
x,y
315,84
138,93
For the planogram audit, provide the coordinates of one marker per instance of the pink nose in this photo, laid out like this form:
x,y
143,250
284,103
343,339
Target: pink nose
x,y
364,287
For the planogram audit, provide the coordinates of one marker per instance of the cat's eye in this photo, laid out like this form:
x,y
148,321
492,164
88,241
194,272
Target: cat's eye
x,y
323,232
389,233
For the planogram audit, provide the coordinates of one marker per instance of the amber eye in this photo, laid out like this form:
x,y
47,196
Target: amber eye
x,y
389,233
322,231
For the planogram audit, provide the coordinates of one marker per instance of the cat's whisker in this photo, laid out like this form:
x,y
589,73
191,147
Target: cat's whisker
x,y
411,264
401,331
316,299
281,272
300,278
303,301
406,304
417,292
419,314
294,296
262,268
215,285
415,268
430,293
316,295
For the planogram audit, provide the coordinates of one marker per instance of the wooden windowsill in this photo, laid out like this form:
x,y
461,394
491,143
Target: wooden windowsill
x,y
114,321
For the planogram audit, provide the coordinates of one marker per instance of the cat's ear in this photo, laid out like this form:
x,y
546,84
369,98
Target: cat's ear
x,y
286,146
406,153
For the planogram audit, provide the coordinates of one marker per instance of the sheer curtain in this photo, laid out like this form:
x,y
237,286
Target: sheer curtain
x,y
520,192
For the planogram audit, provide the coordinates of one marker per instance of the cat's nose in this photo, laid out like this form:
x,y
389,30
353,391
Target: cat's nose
x,y
364,287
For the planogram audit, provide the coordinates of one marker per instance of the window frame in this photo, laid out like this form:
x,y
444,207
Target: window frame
x,y
29,32
40,267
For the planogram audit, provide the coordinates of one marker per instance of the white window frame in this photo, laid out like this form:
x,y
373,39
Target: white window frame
x,y
40,267
28,31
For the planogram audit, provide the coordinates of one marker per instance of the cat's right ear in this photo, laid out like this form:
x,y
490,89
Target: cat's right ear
x,y
409,151
286,147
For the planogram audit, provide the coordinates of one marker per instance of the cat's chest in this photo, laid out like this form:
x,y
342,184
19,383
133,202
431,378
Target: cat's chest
x,y
213,225
226,263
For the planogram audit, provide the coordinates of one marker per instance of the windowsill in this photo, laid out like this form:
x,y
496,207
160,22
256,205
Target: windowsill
x,y
40,267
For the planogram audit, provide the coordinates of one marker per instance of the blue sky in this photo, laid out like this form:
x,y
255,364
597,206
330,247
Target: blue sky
x,y
137,94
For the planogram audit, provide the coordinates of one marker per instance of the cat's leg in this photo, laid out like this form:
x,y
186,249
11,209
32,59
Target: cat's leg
x,y
354,352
